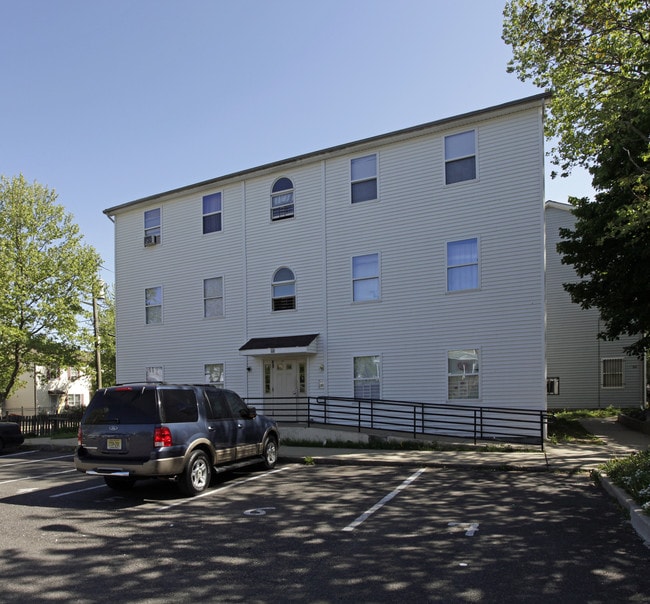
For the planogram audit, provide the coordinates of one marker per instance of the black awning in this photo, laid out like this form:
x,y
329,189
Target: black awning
x,y
280,344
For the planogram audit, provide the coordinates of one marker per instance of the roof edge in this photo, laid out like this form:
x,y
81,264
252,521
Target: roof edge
x,y
329,150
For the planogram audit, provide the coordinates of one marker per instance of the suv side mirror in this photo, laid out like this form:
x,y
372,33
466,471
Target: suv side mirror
x,y
249,413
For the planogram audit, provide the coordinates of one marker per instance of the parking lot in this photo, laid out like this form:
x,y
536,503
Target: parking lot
x,y
315,534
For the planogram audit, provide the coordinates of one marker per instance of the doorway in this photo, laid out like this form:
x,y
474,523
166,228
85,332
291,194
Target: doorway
x,y
285,382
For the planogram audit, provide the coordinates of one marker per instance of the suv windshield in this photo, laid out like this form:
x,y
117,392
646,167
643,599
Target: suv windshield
x,y
123,406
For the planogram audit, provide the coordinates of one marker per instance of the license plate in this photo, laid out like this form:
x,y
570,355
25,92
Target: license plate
x,y
113,444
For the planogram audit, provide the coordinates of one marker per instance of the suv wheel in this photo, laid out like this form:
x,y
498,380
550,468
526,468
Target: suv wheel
x,y
270,453
197,474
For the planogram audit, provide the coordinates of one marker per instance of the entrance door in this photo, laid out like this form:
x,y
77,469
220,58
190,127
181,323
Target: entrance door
x,y
285,383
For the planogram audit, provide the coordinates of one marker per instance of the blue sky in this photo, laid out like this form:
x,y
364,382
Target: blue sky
x,y
107,101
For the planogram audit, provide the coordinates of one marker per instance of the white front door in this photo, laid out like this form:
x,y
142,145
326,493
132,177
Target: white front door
x,y
285,382
285,377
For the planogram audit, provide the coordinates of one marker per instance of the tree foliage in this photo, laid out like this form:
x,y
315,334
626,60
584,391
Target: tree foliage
x,y
594,56
609,246
45,271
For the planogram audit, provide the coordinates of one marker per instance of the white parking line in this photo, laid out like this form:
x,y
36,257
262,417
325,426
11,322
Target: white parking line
x,y
100,486
223,488
22,462
384,501
37,476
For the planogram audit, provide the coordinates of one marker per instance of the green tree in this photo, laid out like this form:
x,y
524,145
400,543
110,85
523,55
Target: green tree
x,y
609,246
594,57
106,328
45,271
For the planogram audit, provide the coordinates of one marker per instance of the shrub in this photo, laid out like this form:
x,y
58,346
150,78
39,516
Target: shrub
x,y
632,474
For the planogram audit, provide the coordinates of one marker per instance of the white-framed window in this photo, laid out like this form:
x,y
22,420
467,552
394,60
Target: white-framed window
x,y
282,205
75,400
152,227
463,374
213,297
214,374
365,278
462,265
553,386
283,290
363,178
367,375
460,157
212,218
153,305
155,374
612,375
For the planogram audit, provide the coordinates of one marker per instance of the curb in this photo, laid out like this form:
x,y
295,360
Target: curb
x,y
357,461
638,518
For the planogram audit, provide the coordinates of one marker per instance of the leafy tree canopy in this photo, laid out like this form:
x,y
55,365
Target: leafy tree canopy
x,y
45,272
609,246
594,56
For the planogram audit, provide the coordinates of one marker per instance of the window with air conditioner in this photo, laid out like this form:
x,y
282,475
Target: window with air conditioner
x,y
152,227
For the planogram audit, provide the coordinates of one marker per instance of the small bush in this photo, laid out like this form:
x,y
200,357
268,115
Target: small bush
x,y
632,474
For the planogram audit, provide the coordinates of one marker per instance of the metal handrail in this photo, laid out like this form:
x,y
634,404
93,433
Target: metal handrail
x,y
418,419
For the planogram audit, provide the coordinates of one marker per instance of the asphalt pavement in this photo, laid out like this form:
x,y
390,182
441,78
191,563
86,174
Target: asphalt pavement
x,y
616,441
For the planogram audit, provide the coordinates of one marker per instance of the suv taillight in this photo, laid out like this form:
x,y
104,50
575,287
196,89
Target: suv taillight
x,y
80,436
162,437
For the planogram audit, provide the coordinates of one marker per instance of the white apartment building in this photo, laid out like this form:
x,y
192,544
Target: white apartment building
x,y
407,266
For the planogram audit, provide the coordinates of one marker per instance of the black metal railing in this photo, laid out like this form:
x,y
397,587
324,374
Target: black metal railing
x,y
413,419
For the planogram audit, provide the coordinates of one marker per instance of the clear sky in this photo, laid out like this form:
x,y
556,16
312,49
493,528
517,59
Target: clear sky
x,y
108,101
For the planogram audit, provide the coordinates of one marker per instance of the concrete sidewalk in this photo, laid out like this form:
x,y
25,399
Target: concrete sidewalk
x,y
617,441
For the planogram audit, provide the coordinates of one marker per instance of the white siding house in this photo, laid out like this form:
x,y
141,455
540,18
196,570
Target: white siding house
x,y
583,371
49,390
407,266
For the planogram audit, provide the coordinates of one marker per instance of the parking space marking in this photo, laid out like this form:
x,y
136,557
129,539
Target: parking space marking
x,y
36,477
257,511
470,528
384,501
100,486
22,462
223,488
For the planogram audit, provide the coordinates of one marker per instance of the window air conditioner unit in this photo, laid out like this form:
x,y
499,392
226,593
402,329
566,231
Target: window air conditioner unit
x,y
150,240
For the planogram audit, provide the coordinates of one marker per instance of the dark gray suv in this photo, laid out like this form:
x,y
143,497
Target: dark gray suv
x,y
184,432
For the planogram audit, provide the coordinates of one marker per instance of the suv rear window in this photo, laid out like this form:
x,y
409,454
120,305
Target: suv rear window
x,y
122,406
178,405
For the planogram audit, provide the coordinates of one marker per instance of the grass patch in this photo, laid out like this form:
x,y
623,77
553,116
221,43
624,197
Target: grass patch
x,y
565,427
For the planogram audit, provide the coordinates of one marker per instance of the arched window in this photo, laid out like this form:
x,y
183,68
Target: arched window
x,y
284,290
282,199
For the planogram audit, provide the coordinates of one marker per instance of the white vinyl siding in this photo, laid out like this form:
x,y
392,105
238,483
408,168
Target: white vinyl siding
x,y
574,355
417,322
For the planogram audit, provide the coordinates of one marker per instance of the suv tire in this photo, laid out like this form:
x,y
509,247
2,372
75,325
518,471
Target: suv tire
x,y
270,453
197,474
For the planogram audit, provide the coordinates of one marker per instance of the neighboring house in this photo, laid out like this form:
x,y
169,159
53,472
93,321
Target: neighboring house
x,y
583,371
406,266
48,390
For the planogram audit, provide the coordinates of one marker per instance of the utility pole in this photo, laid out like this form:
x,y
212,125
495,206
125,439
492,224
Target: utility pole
x,y
98,354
